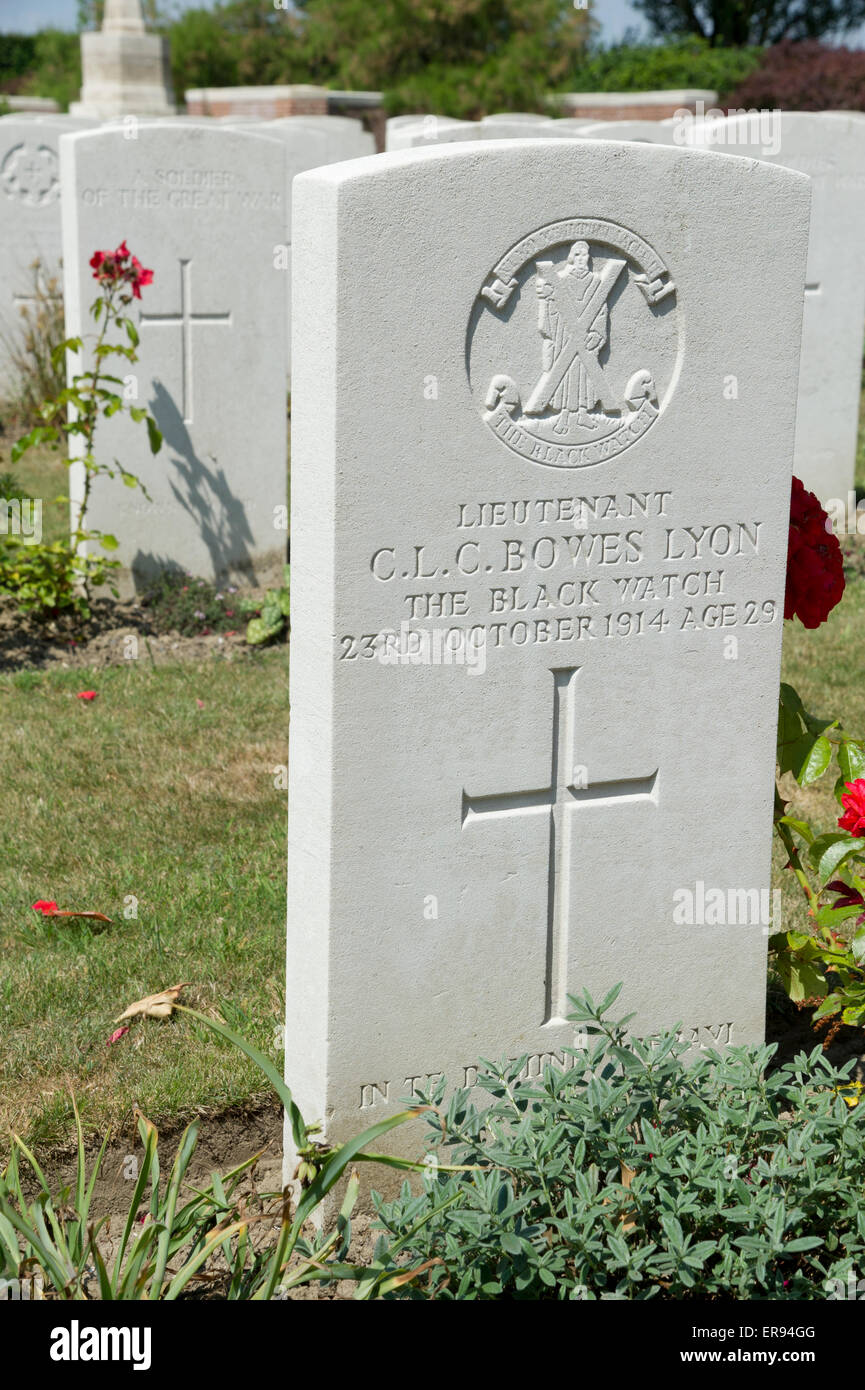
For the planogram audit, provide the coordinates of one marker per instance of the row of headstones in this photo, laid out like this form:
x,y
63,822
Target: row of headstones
x,y
208,207
409,132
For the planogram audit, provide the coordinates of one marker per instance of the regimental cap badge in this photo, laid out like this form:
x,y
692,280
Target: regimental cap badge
x,y
573,343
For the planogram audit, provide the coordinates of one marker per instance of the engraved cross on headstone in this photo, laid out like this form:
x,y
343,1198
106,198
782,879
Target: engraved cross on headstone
x,y
185,320
558,801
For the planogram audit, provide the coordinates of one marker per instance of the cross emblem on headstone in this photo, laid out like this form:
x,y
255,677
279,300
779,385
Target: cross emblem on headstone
x,y
31,175
185,320
558,801
577,319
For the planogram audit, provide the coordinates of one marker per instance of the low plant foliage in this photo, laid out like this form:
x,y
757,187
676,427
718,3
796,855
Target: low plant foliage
x,y
635,1175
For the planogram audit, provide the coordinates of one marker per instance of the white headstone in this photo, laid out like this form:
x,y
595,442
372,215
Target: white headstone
x,y
305,148
574,124
537,593
515,118
412,131
29,219
438,130
655,132
203,208
831,150
346,137
520,126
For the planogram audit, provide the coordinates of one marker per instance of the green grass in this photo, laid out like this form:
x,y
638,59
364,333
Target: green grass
x,y
140,794
41,473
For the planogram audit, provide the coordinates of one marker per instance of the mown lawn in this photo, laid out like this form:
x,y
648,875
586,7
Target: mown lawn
x,y
163,814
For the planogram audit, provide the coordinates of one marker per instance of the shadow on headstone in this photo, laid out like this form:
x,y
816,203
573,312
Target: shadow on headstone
x,y
202,490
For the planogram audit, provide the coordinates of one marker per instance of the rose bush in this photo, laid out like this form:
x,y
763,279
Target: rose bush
x,y
821,965
47,580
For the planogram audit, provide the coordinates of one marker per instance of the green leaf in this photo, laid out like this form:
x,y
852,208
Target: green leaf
x,y
789,733
800,826
835,854
264,1064
810,759
803,1243
832,917
108,542
153,435
851,760
790,699
802,979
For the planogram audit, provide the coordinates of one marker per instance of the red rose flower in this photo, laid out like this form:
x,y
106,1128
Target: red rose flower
x,y
50,909
86,695
139,277
853,801
120,265
815,566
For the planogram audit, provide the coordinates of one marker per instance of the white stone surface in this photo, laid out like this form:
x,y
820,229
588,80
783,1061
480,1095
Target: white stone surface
x,y
29,218
346,137
395,124
655,132
574,124
124,69
305,147
470,840
831,150
438,130
203,208
407,132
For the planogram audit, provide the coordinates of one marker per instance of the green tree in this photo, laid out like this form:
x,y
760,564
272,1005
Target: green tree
x,y
681,62
455,57
242,43
740,22
56,66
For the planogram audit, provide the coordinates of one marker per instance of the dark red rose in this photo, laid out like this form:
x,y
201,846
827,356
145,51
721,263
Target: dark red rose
x,y
815,566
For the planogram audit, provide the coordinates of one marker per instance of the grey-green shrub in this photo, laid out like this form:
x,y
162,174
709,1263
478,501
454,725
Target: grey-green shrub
x,y
636,1175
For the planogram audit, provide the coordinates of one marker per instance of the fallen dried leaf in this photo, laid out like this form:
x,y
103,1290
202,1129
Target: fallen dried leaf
x,y
154,1005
